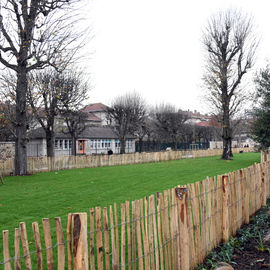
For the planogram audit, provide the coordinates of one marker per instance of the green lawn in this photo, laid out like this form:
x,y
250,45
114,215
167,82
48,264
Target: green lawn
x,y
54,194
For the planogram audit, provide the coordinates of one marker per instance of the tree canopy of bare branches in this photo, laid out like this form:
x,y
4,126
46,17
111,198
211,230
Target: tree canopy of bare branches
x,y
127,113
170,123
230,44
34,34
52,94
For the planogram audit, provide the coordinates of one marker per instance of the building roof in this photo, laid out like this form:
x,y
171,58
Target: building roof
x,y
95,107
93,118
90,132
204,124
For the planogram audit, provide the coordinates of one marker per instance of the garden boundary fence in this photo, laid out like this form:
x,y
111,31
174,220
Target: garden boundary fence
x,y
45,164
174,229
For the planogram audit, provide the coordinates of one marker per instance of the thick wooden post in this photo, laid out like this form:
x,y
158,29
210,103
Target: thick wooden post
x,y
226,227
182,204
7,263
80,245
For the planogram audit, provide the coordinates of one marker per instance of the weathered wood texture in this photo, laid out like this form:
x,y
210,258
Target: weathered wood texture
x,y
174,229
44,164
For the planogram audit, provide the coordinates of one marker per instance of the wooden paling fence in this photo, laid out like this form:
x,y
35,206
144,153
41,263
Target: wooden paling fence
x,y
174,229
42,164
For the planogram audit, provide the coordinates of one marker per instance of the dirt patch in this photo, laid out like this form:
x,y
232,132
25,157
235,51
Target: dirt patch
x,y
249,249
255,254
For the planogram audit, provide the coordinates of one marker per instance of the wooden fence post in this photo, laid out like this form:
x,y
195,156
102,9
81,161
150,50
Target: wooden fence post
x,y
80,245
25,246
7,262
181,196
225,227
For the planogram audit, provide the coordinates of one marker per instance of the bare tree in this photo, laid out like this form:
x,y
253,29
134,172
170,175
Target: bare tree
x,y
170,123
76,92
44,94
230,45
76,124
143,130
127,113
53,95
34,34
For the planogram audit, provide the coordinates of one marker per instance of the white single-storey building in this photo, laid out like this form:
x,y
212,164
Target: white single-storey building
x,y
93,140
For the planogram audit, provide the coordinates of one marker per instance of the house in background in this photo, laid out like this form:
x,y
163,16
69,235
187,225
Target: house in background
x,y
93,140
97,114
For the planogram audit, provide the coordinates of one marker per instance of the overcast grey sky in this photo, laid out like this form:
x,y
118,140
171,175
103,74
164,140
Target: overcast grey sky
x,y
154,47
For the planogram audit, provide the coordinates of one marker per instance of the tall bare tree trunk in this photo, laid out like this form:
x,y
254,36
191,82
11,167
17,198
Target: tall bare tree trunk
x,y
73,146
122,146
226,133
140,145
20,143
50,143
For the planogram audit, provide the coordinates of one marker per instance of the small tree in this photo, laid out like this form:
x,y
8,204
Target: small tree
x,y
127,113
170,123
230,45
260,129
76,124
76,92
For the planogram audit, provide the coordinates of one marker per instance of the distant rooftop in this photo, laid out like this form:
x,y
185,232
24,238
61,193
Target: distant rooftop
x,y
95,107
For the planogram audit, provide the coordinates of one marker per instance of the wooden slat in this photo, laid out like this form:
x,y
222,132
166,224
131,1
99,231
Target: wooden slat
x,y
134,248
25,246
7,259
181,196
106,238
166,229
138,235
172,228
116,234
196,223
246,195
208,214
36,234
212,212
159,233
60,243
200,222
151,236
226,229
48,243
192,254
92,238
128,235
155,230
233,204
203,218
69,252
80,242
114,264
99,242
123,236
162,215
169,243
17,240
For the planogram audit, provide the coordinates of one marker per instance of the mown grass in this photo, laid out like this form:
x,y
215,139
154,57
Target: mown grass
x,y
55,194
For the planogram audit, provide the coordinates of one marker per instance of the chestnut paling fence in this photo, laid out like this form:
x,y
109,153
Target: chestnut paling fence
x,y
174,229
43,164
